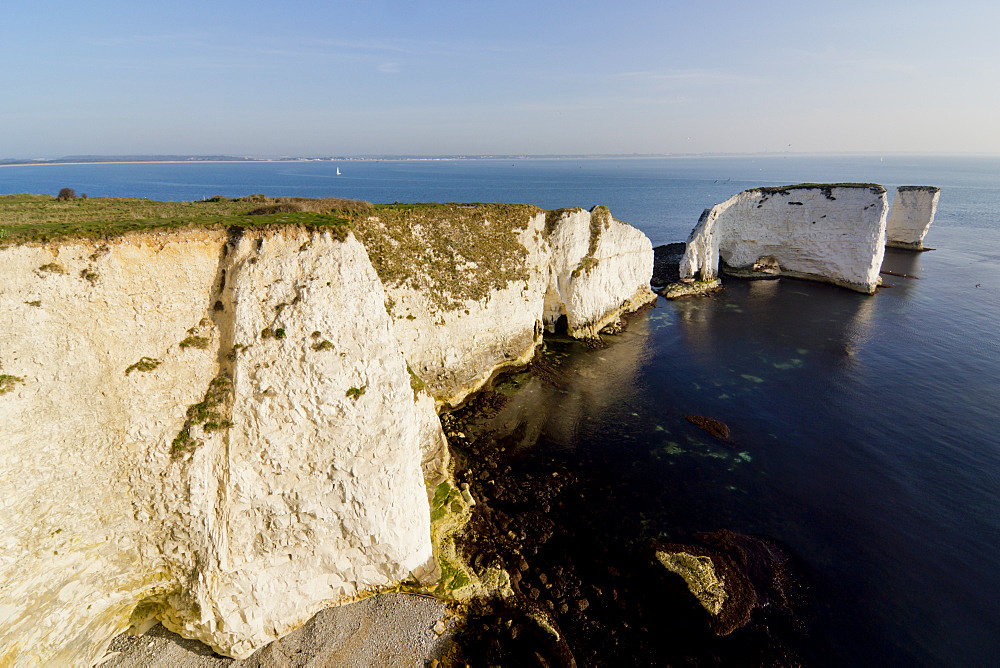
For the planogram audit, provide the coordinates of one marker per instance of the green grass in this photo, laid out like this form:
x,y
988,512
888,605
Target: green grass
x,y
183,442
450,252
42,218
356,392
200,342
205,413
7,382
769,190
144,364
416,384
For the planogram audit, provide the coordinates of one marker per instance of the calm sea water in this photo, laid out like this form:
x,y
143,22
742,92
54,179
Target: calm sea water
x,y
868,428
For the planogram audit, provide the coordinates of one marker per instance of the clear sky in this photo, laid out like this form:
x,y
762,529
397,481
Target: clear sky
x,y
304,77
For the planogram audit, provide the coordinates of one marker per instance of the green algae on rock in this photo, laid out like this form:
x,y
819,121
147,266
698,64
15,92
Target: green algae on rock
x,y
700,575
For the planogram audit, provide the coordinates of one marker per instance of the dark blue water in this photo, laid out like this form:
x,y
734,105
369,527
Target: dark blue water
x,y
868,428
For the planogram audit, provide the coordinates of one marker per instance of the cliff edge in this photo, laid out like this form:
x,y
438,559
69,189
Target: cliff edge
x,y
472,288
229,427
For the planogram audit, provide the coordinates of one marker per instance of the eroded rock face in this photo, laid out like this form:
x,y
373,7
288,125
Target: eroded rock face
x,y
261,462
912,214
600,269
532,268
220,430
827,232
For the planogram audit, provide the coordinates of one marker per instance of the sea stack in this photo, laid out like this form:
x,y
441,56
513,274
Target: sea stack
x,y
913,210
829,232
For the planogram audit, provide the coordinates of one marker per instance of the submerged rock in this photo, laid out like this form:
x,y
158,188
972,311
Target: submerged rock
x,y
733,574
714,427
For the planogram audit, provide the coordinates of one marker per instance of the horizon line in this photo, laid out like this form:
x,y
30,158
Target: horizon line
x,y
221,158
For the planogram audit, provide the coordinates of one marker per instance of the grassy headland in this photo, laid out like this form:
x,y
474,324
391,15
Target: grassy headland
x,y
451,251
43,218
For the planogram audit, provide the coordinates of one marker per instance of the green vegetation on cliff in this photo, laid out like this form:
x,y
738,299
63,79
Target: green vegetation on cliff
x,y
772,190
42,218
450,252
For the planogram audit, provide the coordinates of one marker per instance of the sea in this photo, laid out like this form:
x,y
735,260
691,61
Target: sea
x,y
865,429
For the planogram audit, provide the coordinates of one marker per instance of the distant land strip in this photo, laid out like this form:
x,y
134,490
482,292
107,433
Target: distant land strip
x,y
140,159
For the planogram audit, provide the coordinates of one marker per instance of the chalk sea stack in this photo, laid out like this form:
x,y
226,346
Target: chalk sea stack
x,y
833,233
913,210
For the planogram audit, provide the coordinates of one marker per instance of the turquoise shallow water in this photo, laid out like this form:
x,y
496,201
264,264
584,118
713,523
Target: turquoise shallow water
x,y
866,426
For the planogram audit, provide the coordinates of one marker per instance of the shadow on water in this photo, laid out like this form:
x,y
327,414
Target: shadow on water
x,y
587,461
571,387
773,316
579,474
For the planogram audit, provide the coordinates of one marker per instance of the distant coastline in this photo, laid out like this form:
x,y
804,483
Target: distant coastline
x,y
185,159
123,160
212,159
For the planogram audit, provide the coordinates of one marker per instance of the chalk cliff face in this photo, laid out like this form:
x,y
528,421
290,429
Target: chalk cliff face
x,y
509,272
827,232
262,461
600,268
220,429
912,214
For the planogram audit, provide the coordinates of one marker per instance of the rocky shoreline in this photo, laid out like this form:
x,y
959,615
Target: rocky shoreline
x,y
392,630
587,587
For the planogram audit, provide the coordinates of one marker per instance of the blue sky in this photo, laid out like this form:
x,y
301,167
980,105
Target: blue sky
x,y
385,77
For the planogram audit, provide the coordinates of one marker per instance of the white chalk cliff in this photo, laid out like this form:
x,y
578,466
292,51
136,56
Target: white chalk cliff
x,y
219,429
827,232
912,214
509,273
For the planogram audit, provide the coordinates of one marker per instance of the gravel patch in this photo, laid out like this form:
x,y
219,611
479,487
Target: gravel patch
x,y
387,630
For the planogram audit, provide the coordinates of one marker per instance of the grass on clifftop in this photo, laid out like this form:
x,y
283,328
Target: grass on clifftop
x,y
43,218
874,187
452,252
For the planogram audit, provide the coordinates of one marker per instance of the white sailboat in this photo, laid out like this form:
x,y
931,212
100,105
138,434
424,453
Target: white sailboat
x,y
338,171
